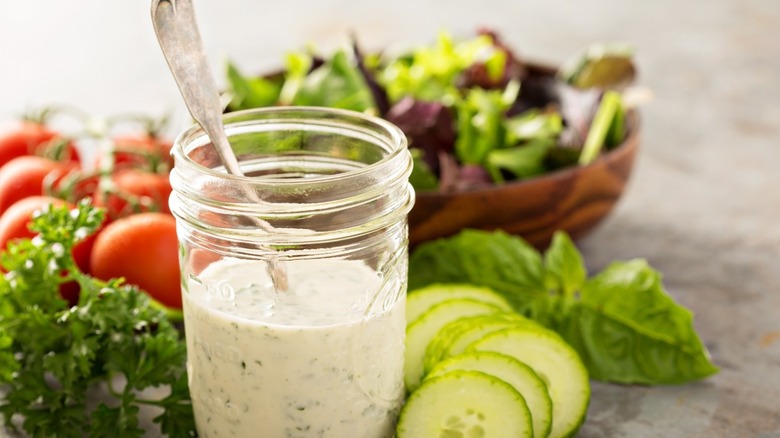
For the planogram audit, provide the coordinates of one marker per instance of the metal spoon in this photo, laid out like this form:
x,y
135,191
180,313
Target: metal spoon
x,y
177,32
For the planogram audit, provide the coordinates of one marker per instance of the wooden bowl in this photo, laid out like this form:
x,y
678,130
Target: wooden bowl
x,y
573,199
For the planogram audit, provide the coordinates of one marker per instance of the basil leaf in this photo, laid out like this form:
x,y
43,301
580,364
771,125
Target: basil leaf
x,y
564,268
564,275
504,263
628,329
622,322
337,83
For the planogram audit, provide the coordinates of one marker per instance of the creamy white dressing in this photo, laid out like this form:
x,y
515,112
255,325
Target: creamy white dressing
x,y
323,359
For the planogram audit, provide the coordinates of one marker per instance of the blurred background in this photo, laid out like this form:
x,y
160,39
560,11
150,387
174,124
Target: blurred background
x,y
703,205
103,56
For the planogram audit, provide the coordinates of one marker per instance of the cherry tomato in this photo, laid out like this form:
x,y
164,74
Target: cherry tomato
x,y
201,259
142,249
145,152
27,176
134,191
15,224
27,138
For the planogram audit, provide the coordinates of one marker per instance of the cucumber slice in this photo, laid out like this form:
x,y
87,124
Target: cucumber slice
x,y
556,363
464,404
513,372
420,332
419,301
455,337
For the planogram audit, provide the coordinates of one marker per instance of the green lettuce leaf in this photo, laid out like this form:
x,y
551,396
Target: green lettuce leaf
x,y
481,122
337,83
600,66
429,73
617,129
522,161
609,114
422,178
534,124
249,92
297,66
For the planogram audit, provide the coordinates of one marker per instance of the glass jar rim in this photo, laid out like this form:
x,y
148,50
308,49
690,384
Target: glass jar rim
x,y
339,205
281,114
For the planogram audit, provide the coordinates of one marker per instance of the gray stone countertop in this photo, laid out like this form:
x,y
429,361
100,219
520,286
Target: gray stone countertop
x,y
703,205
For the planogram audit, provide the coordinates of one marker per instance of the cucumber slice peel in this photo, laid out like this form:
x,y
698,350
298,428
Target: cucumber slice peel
x,y
437,348
454,338
512,371
465,404
420,332
419,301
556,363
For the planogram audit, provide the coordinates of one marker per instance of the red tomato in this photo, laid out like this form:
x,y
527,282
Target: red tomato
x,y
15,224
27,138
200,259
136,191
85,186
27,176
141,151
143,249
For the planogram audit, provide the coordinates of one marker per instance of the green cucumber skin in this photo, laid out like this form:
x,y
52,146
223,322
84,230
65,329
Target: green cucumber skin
x,y
498,321
419,330
403,429
568,354
481,361
440,344
417,300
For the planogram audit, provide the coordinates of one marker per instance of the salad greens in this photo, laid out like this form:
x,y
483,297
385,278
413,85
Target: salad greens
x,y
337,83
475,114
252,92
601,66
607,126
430,73
114,340
622,322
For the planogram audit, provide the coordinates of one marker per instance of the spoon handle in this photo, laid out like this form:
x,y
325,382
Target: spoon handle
x,y
177,31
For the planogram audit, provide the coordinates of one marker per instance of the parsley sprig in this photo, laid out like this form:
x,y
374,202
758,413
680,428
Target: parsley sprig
x,y
114,342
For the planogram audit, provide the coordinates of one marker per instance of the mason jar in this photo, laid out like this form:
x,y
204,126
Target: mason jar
x,y
294,275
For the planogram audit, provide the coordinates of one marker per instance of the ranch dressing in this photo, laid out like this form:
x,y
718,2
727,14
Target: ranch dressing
x,y
323,359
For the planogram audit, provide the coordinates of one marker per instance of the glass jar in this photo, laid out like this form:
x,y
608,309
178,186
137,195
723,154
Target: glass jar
x,y
294,275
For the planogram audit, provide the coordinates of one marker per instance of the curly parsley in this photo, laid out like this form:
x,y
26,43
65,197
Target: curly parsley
x,y
114,341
